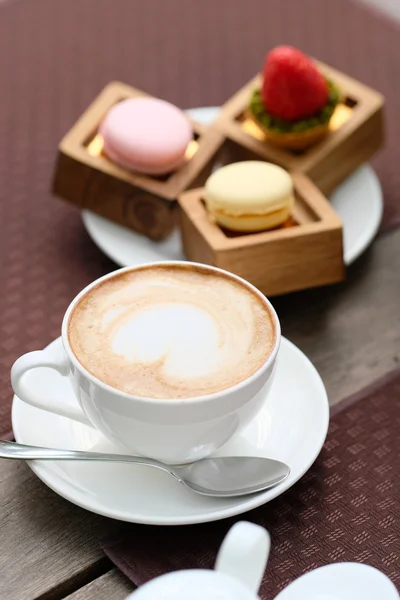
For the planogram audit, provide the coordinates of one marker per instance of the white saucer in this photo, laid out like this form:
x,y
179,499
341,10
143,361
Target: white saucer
x,y
358,201
341,581
292,427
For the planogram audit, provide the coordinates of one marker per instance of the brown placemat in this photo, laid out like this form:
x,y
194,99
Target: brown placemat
x,y
346,508
56,55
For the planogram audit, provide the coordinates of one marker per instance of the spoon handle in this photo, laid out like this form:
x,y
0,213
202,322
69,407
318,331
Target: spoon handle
x,y
16,451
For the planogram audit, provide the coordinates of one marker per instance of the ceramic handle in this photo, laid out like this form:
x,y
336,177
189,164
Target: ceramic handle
x,y
53,359
244,554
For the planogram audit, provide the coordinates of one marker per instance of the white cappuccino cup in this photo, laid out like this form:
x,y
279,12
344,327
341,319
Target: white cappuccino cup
x,y
153,322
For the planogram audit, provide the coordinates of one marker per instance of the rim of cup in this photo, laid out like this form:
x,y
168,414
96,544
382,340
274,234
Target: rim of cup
x,y
192,400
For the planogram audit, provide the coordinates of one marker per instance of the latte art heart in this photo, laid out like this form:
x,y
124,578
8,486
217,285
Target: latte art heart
x,y
164,334
171,332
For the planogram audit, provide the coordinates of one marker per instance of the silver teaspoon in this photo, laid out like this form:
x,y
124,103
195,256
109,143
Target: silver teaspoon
x,y
221,476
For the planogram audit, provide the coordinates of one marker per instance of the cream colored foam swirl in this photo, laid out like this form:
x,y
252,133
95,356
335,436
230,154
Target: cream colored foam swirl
x,y
171,332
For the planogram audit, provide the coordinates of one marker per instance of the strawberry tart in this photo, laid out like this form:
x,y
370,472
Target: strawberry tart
x,y
295,102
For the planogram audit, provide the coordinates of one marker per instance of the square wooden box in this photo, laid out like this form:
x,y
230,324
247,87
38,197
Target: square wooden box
x,y
356,133
306,253
147,204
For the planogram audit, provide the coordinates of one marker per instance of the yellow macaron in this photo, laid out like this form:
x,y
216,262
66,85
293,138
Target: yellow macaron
x,y
250,196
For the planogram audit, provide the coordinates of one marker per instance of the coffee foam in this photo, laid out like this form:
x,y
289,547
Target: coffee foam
x,y
171,331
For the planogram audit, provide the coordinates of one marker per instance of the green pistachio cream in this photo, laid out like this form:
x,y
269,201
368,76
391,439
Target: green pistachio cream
x,y
278,125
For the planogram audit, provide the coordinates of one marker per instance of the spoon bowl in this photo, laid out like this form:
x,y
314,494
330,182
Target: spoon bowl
x,y
233,475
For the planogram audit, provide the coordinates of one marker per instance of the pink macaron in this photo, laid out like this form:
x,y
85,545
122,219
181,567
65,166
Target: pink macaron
x,y
146,135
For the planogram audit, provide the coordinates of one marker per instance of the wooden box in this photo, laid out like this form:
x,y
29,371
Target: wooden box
x,y
304,253
147,204
356,133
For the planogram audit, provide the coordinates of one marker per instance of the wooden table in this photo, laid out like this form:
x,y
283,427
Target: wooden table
x,y
350,331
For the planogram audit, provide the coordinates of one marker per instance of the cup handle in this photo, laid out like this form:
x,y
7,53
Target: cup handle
x,y
53,359
244,554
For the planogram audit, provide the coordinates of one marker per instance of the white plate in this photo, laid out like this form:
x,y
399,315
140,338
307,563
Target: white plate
x,y
341,581
358,201
291,427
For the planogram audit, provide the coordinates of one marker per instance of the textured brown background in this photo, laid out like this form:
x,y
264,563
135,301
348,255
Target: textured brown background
x,y
346,508
56,55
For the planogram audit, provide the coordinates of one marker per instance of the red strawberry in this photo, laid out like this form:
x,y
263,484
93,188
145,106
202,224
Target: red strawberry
x,y
292,88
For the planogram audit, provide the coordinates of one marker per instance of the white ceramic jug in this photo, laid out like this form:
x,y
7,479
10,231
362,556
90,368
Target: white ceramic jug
x,y
341,581
238,572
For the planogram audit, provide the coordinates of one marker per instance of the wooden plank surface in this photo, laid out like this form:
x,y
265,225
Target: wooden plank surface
x,y
110,586
47,542
350,331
